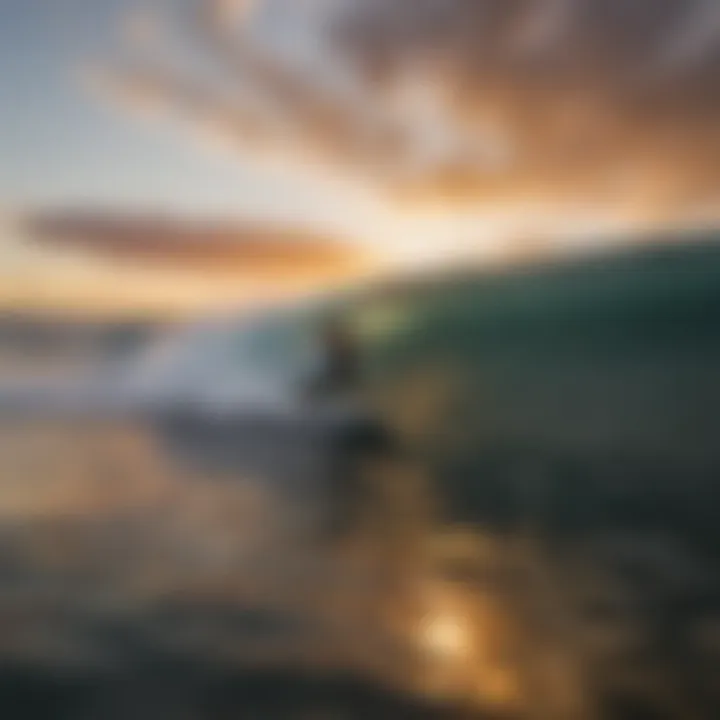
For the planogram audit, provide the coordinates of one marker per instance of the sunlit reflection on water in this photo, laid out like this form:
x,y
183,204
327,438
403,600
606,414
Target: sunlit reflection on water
x,y
107,554
100,533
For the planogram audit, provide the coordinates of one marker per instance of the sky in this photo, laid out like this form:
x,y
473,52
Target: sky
x,y
428,128
60,146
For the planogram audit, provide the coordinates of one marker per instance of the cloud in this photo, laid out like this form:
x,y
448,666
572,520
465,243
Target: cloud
x,y
224,13
697,38
259,251
604,102
98,262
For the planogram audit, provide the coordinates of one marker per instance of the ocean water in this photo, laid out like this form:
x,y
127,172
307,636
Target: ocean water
x,y
130,589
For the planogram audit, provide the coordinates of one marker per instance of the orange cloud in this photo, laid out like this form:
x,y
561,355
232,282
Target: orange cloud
x,y
585,101
256,251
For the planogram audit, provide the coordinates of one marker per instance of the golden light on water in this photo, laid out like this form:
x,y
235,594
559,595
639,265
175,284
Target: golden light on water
x,y
468,636
447,635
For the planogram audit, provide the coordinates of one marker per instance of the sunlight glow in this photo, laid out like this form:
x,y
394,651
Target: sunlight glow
x,y
447,635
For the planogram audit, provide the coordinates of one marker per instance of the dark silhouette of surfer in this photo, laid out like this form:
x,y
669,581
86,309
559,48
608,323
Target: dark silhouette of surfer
x,y
361,436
